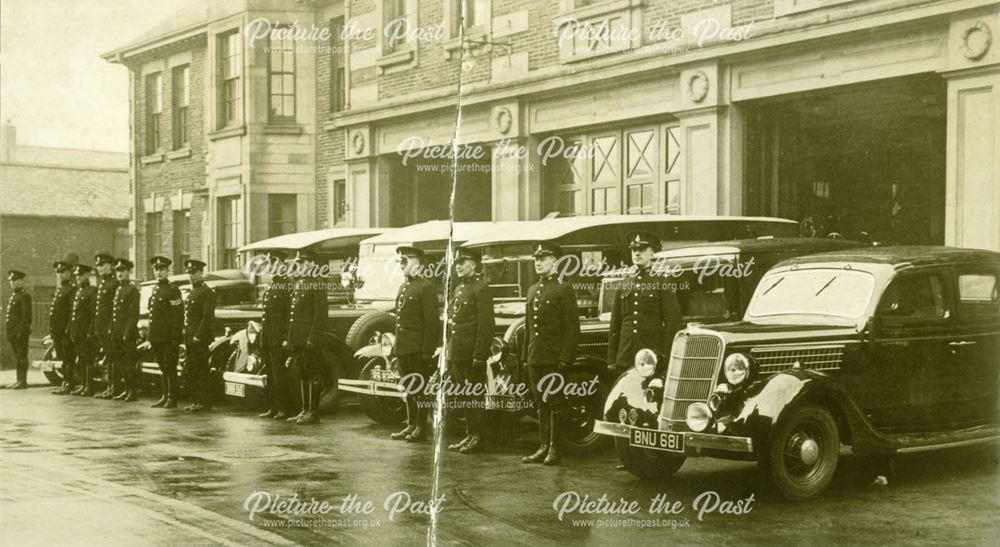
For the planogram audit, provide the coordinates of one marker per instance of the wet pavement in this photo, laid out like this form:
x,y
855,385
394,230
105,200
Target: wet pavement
x,y
86,472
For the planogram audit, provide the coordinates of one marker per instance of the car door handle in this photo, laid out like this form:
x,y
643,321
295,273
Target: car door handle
x,y
961,343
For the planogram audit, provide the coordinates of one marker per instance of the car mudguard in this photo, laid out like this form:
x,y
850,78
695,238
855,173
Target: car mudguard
x,y
766,402
631,402
369,351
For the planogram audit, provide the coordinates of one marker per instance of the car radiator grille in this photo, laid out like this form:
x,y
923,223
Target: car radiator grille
x,y
771,360
693,369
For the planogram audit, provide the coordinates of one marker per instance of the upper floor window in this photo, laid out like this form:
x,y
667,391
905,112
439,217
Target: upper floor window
x,y
230,69
281,68
230,229
154,109
476,13
181,78
396,24
281,214
182,238
337,65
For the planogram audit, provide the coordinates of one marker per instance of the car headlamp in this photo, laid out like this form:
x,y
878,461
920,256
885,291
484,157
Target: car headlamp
x,y
252,331
496,350
386,342
252,362
736,368
698,417
645,362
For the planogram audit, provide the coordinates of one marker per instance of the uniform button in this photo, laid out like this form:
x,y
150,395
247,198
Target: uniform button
x,y
634,331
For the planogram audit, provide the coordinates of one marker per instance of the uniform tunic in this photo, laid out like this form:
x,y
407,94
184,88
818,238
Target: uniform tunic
x,y
644,314
80,328
17,326
123,335
104,306
471,320
199,315
166,317
416,318
552,323
307,326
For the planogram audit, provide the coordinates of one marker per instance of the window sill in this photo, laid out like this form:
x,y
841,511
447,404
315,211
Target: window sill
x,y
156,157
277,128
397,58
235,131
180,153
602,8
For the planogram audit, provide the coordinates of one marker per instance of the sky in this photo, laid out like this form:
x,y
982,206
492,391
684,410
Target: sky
x,y
54,86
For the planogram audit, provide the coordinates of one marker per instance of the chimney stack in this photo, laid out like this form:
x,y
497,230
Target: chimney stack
x,y
8,141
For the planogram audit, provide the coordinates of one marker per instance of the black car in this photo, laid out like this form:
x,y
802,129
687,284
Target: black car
x,y
886,349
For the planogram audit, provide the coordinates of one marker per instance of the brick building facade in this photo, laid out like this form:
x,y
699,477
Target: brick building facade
x,y
785,108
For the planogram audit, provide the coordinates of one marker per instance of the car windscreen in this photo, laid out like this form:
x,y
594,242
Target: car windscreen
x,y
827,292
700,298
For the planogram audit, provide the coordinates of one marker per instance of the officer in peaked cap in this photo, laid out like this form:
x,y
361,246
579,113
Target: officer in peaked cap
x,y
199,316
417,336
552,326
59,314
276,306
471,323
644,309
103,303
17,325
80,329
306,329
166,318
123,335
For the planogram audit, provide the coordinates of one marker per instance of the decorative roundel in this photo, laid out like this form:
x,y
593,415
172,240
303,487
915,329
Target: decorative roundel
x,y
622,415
976,40
358,142
697,86
633,416
504,120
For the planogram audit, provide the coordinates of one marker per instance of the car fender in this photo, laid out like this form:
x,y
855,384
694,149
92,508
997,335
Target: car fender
x,y
770,400
219,341
631,402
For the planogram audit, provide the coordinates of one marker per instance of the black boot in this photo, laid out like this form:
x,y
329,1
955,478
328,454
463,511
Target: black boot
x,y
88,381
171,391
544,428
163,392
553,456
312,413
302,391
411,420
419,432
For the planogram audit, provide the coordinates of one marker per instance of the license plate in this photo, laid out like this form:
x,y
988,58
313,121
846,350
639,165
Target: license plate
x,y
236,390
384,376
658,440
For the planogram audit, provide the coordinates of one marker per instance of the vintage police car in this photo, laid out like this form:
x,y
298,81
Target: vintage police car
x,y
886,349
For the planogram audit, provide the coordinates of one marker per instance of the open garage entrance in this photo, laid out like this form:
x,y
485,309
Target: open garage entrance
x,y
854,160
420,188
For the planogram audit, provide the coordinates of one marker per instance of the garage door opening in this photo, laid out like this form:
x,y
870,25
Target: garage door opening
x,y
865,161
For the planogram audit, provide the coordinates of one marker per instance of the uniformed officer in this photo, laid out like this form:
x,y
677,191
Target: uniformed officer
x,y
552,326
166,317
417,335
103,304
199,316
644,309
80,329
59,312
276,303
17,325
306,329
123,331
471,323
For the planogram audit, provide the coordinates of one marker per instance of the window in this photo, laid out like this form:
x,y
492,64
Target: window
x,y
154,108
396,25
154,236
337,65
230,230
182,239
181,79
916,297
476,13
281,68
339,203
229,78
281,214
977,295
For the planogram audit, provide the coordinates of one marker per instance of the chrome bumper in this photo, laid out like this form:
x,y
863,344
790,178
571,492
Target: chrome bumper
x,y
255,380
148,367
47,366
727,443
371,387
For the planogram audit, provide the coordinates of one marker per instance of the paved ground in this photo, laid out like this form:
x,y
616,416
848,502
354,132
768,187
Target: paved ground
x,y
90,472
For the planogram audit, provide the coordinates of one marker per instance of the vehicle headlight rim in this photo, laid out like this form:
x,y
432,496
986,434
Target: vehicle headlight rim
x,y
698,417
645,362
387,342
736,368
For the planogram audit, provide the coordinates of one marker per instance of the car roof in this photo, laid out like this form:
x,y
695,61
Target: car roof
x,y
612,229
328,239
215,278
900,256
761,245
428,234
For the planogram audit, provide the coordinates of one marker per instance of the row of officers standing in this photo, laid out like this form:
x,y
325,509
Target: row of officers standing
x,y
645,313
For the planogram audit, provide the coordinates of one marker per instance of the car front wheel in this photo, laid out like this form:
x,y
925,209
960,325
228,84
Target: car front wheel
x,y
802,455
647,463
53,376
384,410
